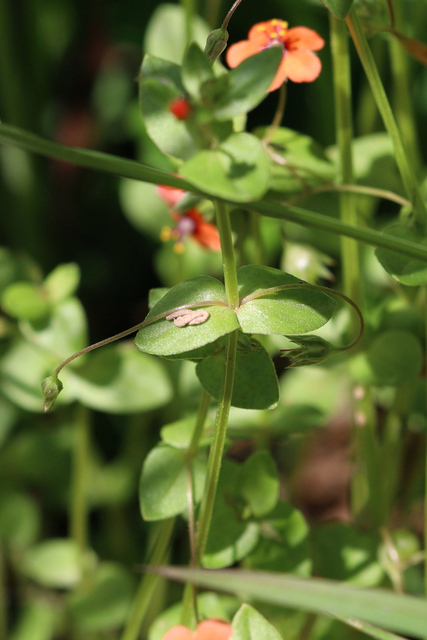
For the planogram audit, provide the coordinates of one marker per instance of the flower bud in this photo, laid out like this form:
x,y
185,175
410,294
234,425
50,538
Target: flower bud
x,y
216,43
312,350
51,388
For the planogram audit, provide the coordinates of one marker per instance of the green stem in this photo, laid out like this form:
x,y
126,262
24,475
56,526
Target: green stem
x,y
80,480
344,135
327,223
356,189
202,413
189,612
217,449
130,169
224,400
278,116
405,168
145,591
369,629
425,491
402,100
228,257
3,598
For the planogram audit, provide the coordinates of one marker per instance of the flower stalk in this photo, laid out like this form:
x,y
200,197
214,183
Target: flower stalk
x,y
404,164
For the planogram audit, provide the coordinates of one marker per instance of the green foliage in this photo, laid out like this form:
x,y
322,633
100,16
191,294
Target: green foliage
x,y
278,472
163,490
339,8
248,624
238,170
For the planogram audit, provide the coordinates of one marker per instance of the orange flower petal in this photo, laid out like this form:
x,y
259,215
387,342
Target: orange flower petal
x,y
301,66
178,633
240,51
280,77
213,630
170,195
207,236
303,38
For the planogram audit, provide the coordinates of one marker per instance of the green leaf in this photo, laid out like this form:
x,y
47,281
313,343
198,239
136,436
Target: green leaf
x,y
26,364
392,358
397,612
339,8
341,552
163,489
118,379
259,483
178,434
227,545
163,338
25,301
19,520
402,268
247,84
196,69
166,35
103,600
255,383
304,162
62,282
237,170
288,311
284,544
56,564
159,84
248,624
143,207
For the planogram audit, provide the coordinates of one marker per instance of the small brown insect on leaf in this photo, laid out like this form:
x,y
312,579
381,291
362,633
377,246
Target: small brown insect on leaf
x,y
184,317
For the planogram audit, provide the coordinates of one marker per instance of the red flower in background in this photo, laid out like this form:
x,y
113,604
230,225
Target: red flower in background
x,y
189,224
181,108
299,63
206,630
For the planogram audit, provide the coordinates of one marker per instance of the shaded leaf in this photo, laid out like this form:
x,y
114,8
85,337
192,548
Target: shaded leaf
x,y
402,268
259,483
247,84
104,599
237,170
255,382
118,379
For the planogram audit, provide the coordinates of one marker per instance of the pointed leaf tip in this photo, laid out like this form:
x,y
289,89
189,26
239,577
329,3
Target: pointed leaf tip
x,y
51,388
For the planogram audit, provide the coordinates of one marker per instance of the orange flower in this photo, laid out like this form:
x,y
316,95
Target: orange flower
x,y
191,223
170,195
206,630
299,63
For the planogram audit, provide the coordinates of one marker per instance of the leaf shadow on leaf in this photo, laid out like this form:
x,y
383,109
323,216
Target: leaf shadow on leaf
x,y
239,169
